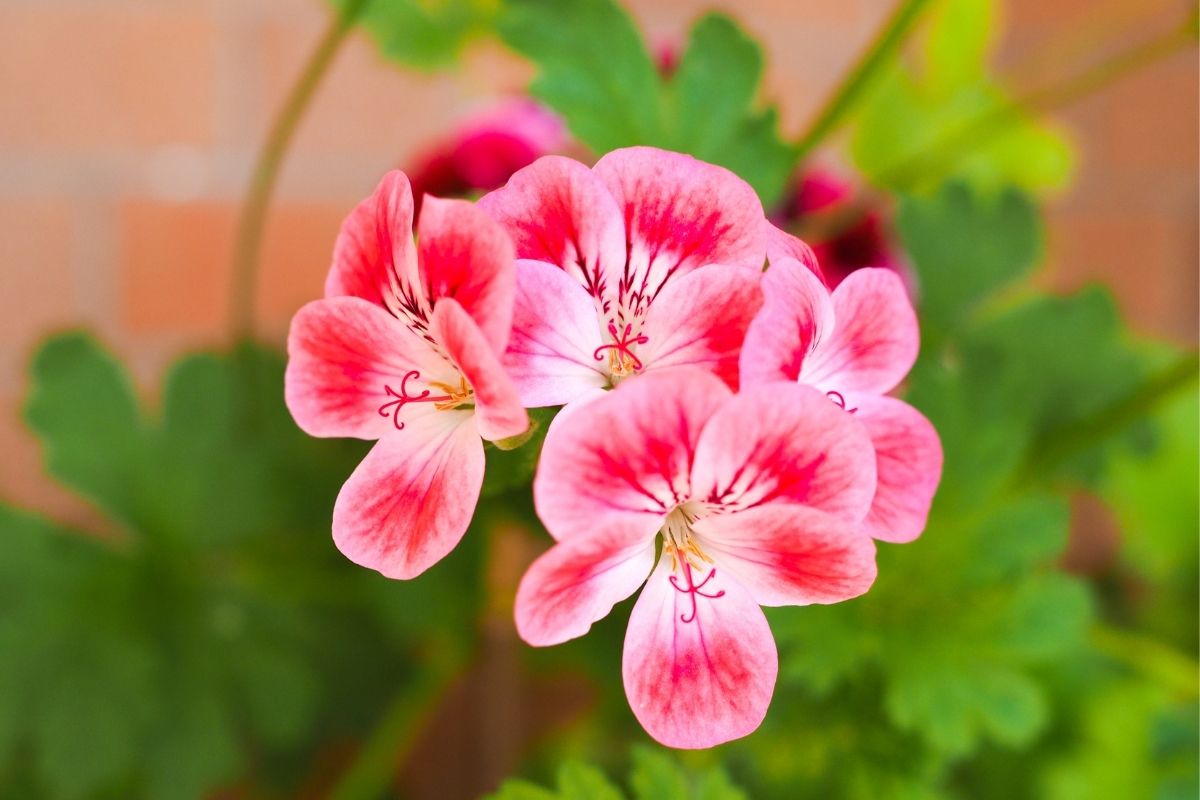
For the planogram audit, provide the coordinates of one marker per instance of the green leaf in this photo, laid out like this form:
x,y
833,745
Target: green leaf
x,y
515,789
714,92
656,776
593,69
82,408
581,781
965,247
426,34
910,132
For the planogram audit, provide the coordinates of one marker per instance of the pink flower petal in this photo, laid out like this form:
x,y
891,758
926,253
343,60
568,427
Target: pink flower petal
x,y
680,214
701,320
909,463
783,245
797,314
343,354
578,582
557,211
498,411
783,442
788,555
556,333
699,663
623,459
465,255
875,339
409,502
375,240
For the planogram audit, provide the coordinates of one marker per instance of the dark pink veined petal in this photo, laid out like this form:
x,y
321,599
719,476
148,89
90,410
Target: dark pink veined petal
x,y
796,315
699,663
784,442
498,411
555,337
409,502
623,459
556,210
875,336
701,320
680,214
782,245
464,254
908,459
787,555
375,239
343,355
578,582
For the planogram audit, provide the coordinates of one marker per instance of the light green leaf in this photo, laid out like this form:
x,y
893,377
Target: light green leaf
x,y
656,776
83,409
965,247
426,34
581,781
593,69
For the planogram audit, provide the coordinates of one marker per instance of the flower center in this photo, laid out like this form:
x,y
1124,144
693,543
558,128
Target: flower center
x,y
621,359
679,540
453,397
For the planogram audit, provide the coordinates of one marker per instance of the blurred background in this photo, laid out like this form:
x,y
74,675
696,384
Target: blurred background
x,y
128,133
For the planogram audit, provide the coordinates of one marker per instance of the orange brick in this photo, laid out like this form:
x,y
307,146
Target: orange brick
x,y
175,266
35,276
98,78
177,260
297,249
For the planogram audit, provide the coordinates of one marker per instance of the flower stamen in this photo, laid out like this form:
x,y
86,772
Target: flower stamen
x,y
622,360
454,397
693,589
839,400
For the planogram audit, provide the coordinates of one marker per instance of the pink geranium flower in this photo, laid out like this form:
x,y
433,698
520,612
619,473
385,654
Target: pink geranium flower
x,y
648,260
854,345
405,348
757,497
844,238
486,150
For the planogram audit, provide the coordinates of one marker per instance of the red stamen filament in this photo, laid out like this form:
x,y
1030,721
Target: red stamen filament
x,y
622,360
452,398
837,398
693,589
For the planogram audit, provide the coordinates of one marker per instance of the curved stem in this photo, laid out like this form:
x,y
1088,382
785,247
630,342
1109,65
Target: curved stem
x,y
396,732
889,38
266,169
1071,440
1150,657
942,153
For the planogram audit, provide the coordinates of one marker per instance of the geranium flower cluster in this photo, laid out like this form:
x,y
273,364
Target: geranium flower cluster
x,y
726,441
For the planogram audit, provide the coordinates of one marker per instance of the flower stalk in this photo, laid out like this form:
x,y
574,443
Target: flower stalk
x,y
248,241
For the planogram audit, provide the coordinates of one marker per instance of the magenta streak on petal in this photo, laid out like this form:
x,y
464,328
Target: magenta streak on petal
x,y
693,589
839,400
404,397
622,342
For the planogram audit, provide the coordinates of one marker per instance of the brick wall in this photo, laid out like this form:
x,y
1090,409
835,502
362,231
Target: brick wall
x,y
127,128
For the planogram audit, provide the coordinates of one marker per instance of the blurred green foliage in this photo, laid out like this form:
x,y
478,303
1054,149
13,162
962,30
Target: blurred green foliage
x,y
653,776
425,34
917,127
214,632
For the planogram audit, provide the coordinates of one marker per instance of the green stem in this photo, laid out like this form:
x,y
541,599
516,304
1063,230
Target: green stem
x,y
936,158
1150,657
1070,440
384,751
889,38
266,169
